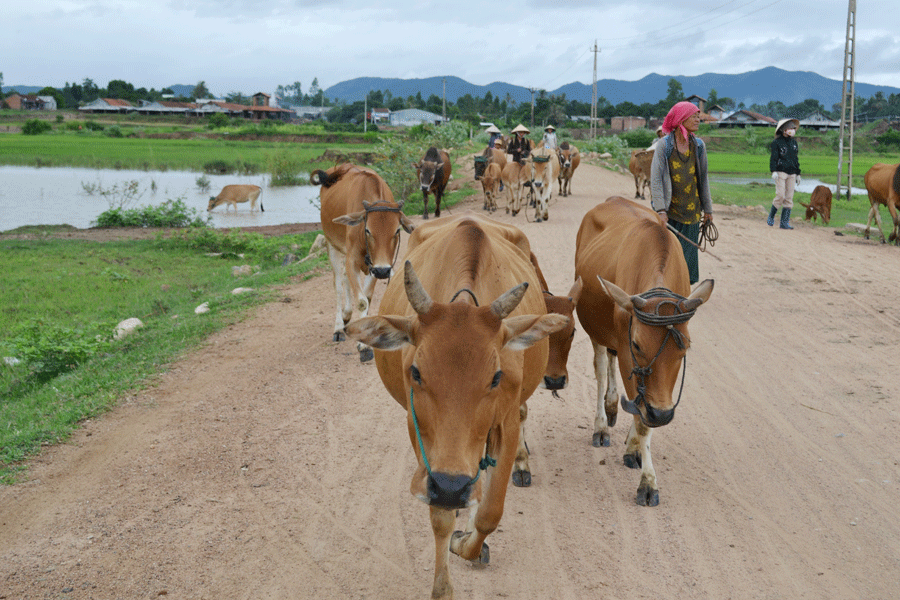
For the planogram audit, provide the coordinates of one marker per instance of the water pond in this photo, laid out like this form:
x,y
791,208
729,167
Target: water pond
x,y
69,196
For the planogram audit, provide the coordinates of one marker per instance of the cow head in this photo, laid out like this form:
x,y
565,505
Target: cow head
x,y
462,373
426,172
556,375
213,202
565,157
382,222
657,341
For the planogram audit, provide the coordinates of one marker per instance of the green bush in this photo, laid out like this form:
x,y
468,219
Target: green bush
x,y
638,138
93,126
36,127
171,213
285,169
891,137
48,350
217,120
612,144
114,131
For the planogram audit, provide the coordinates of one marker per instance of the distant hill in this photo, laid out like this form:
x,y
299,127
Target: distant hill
x,y
754,87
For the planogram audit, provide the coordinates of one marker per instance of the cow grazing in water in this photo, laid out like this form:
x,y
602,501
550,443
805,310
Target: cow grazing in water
x,y
639,165
544,170
635,306
362,225
569,159
234,194
460,345
433,173
819,204
883,184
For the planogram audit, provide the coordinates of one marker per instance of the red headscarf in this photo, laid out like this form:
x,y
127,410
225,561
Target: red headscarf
x,y
678,114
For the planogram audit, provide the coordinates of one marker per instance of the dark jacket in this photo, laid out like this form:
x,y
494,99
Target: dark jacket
x,y
519,148
784,156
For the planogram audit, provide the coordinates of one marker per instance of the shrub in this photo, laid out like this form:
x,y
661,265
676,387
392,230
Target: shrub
x,y
285,169
36,127
93,126
217,120
638,138
113,131
49,350
891,137
171,213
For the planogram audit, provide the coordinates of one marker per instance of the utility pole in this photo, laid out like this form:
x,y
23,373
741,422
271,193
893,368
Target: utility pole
x,y
444,108
366,114
596,51
848,101
532,90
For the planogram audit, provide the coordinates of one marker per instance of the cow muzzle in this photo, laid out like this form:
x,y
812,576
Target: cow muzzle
x,y
650,416
380,272
554,383
449,491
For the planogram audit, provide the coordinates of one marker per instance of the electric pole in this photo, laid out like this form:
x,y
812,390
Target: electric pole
x,y
848,101
596,51
444,109
532,90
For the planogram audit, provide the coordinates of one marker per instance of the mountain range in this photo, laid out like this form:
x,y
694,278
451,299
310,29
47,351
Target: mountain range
x,y
754,87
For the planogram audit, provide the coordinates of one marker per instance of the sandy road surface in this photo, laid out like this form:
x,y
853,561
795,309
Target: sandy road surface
x,y
272,464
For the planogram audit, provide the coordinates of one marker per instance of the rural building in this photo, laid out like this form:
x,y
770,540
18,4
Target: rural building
x,y
700,102
627,123
380,114
747,118
820,122
108,105
311,112
716,112
167,107
413,116
30,102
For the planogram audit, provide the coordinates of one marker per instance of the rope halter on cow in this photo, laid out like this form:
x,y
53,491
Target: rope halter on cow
x,y
380,207
655,319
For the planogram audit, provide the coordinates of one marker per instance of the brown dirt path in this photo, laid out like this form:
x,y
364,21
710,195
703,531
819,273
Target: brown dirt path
x,y
272,464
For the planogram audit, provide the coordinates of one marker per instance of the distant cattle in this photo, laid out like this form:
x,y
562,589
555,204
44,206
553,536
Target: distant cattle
x,y
635,306
569,159
362,225
883,184
433,173
819,204
460,345
639,165
515,175
235,194
490,184
544,171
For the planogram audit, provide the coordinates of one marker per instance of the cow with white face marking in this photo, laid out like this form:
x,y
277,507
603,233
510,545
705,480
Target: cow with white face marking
x,y
544,168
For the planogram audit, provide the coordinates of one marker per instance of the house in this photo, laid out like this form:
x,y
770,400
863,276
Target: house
x,y
747,118
819,122
716,112
700,102
108,105
627,123
311,112
413,116
30,102
380,114
167,107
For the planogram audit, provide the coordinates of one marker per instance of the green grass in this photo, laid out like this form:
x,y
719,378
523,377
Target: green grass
x,y
88,287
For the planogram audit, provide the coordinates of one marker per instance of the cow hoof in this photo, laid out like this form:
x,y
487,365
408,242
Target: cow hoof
x,y
601,438
612,415
366,354
632,460
521,478
338,336
647,496
484,557
538,220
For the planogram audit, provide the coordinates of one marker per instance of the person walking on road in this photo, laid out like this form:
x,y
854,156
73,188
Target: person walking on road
x,y
784,163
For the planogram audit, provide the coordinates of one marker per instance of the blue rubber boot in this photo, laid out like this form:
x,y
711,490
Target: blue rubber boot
x,y
771,220
786,218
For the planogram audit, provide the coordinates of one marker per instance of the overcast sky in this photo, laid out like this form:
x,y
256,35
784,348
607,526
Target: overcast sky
x,y
255,45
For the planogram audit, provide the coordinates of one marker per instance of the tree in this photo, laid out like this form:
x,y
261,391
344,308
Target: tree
x,y
200,91
237,98
676,92
712,98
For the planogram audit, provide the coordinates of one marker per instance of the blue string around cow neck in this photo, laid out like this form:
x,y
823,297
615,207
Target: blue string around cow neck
x,y
483,464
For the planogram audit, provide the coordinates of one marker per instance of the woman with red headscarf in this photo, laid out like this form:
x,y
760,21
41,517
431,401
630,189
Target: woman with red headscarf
x,y
679,181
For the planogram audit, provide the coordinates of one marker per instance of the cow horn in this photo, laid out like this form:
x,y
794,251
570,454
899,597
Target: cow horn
x,y
366,205
508,302
418,297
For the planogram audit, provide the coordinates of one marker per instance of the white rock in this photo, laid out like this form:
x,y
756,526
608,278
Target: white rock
x,y
241,290
203,308
11,360
126,327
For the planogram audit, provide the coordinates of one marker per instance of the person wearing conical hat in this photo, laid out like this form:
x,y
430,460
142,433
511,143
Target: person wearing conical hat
x,y
495,135
520,146
550,137
785,166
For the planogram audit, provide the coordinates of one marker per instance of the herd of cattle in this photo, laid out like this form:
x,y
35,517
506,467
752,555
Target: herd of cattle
x,y
471,330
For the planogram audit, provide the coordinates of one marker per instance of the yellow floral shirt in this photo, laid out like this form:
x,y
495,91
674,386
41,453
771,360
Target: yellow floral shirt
x,y
685,206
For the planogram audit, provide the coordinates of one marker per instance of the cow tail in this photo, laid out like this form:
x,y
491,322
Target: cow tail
x,y
261,209
897,180
320,177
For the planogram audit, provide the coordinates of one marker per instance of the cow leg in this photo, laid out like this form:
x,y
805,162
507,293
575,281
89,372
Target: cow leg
x,y
607,403
892,208
425,205
521,476
341,292
876,215
637,455
438,195
363,301
442,523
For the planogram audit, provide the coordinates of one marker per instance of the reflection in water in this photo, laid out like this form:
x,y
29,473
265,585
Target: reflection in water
x,y
58,196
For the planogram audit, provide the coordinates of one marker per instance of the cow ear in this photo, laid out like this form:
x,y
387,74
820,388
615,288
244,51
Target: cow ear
x,y
406,223
575,291
350,219
620,297
384,333
700,295
524,331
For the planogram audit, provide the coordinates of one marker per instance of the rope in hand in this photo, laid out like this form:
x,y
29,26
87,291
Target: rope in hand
x,y
709,233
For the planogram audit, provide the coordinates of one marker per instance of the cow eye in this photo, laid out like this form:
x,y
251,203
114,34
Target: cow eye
x,y
496,380
637,347
414,373
573,334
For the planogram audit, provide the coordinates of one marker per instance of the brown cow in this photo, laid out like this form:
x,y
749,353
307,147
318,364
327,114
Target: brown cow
x,y
819,204
883,185
544,169
433,173
362,224
569,159
490,183
460,345
639,165
635,305
514,177
233,194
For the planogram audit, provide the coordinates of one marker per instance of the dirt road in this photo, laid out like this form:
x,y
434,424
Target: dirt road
x,y
272,464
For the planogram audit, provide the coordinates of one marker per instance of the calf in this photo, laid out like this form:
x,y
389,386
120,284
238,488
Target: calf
x,y
490,183
639,165
819,204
